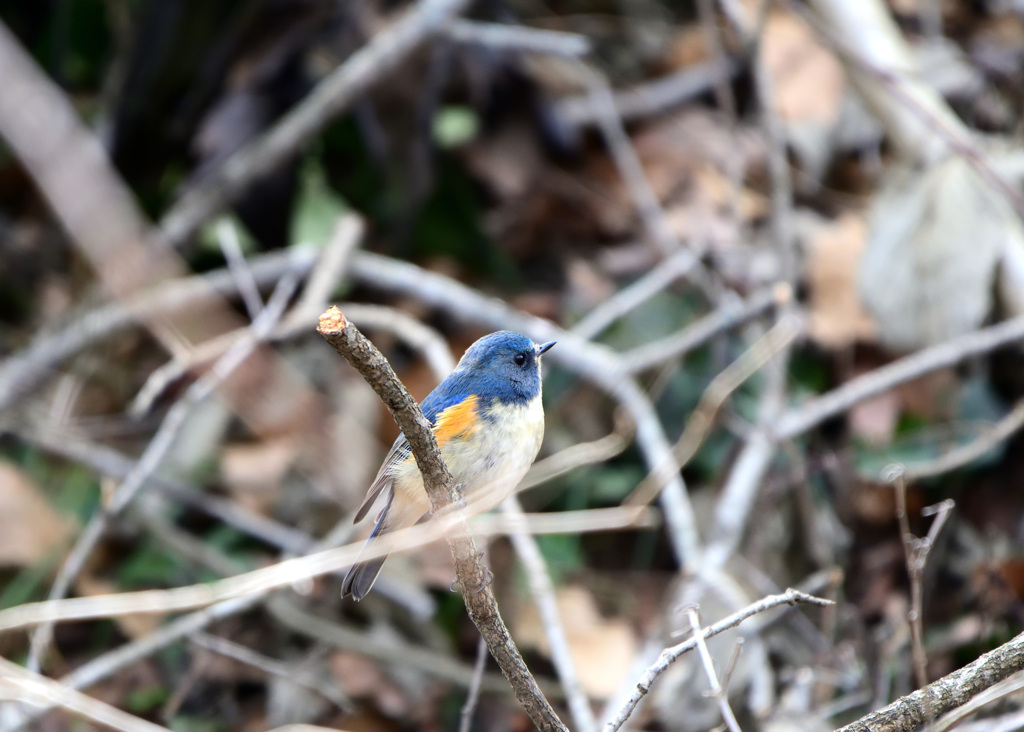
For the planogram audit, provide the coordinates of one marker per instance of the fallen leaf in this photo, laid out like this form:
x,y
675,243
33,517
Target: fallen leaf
x,y
837,318
807,79
30,529
254,471
601,648
361,678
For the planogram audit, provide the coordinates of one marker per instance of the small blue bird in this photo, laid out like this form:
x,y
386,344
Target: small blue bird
x,y
489,423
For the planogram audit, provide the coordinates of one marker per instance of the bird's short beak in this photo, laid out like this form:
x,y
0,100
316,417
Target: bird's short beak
x,y
545,347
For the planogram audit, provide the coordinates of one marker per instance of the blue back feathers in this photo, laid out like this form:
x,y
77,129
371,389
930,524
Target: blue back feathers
x,y
502,366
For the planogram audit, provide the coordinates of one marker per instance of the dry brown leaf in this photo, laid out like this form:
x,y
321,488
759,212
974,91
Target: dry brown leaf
x,y
601,648
808,80
254,471
837,318
29,527
360,678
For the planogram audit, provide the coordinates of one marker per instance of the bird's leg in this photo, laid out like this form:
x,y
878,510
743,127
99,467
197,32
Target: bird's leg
x,y
486,580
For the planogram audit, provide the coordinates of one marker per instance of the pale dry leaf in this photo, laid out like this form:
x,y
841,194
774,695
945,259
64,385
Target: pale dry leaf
x,y
30,529
935,238
874,420
253,472
837,318
807,79
601,648
361,677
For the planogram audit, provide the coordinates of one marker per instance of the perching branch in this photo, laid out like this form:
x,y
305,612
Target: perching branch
x,y
444,495
949,692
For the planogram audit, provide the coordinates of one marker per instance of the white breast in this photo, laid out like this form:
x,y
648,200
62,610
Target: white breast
x,y
488,463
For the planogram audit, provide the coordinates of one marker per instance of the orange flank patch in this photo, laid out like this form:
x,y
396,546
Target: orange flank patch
x,y
458,420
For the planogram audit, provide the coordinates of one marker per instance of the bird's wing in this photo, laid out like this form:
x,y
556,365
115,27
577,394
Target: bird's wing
x,y
396,455
448,414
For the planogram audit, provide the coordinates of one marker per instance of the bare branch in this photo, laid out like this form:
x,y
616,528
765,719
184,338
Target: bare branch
x,y
466,716
951,691
911,367
326,102
155,452
709,668
23,685
670,655
543,591
518,38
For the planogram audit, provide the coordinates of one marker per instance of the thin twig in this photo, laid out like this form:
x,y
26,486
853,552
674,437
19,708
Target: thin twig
x,y
473,694
670,655
327,689
914,574
725,317
17,683
709,669
628,298
442,491
543,591
648,207
22,372
286,573
963,455
916,553
331,97
1007,687
651,98
925,361
231,248
109,462
755,358
154,454
741,489
517,38
951,691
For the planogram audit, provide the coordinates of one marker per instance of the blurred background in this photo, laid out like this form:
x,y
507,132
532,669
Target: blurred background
x,y
794,194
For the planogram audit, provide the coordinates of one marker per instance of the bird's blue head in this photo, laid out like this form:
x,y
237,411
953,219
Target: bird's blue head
x,y
502,365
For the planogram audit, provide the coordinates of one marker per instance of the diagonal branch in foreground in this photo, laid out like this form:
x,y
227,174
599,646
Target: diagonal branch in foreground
x,y
444,495
951,691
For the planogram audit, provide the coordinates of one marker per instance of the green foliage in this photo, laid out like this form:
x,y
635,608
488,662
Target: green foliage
x,y
225,225
150,565
455,125
318,207
189,723
140,701
920,440
74,490
664,314
28,584
562,553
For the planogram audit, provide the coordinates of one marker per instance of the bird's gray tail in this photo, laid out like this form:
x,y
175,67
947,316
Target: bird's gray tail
x,y
362,575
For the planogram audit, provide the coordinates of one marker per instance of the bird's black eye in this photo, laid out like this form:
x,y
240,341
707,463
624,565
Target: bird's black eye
x,y
519,358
